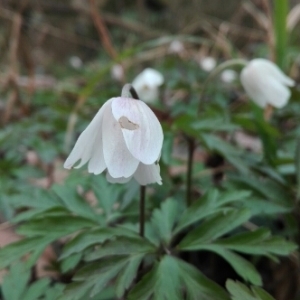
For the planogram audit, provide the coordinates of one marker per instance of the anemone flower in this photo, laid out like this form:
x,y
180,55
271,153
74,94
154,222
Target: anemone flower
x,y
147,84
125,138
208,63
266,84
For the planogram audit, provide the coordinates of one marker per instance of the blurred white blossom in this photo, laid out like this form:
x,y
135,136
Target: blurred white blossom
x,y
208,63
147,84
176,47
265,83
125,138
75,62
117,72
228,76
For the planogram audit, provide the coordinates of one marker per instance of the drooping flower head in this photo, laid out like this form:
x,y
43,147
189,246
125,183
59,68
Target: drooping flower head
x,y
266,84
147,84
125,138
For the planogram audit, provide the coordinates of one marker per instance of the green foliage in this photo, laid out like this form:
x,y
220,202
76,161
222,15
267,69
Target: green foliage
x,y
15,286
171,277
239,291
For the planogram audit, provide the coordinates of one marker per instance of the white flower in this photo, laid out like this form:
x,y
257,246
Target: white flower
x,y
75,62
208,63
117,72
265,83
147,83
228,76
125,137
176,47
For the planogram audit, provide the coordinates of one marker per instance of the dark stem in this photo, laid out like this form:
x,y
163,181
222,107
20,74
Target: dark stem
x,y
129,91
142,209
134,93
191,148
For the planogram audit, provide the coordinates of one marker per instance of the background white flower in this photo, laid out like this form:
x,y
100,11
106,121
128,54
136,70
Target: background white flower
x,y
125,137
176,47
208,63
265,83
117,72
147,84
228,76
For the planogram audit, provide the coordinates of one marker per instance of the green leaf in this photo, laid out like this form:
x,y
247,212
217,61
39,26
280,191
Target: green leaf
x,y
54,292
86,239
266,133
171,278
145,287
213,228
198,210
37,289
260,206
239,291
92,278
198,286
107,195
128,274
122,246
60,226
15,282
258,242
70,262
74,203
15,285
207,205
261,294
267,188
14,251
168,281
164,219
242,266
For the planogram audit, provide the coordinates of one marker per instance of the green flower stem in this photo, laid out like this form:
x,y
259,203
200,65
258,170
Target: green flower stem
x,y
280,24
142,209
221,67
191,141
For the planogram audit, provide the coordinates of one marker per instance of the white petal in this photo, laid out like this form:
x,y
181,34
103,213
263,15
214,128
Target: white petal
x,y
264,85
146,84
87,143
276,93
147,174
149,77
119,161
272,69
148,94
117,180
145,142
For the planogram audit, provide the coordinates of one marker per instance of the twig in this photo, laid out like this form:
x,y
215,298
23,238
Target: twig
x,y
14,70
102,30
53,31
